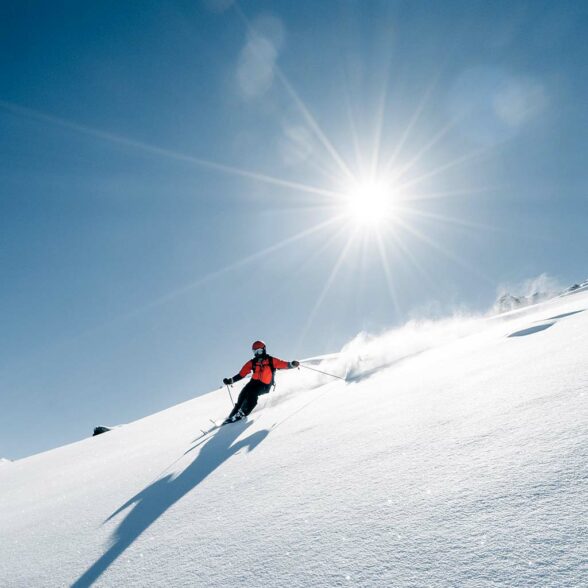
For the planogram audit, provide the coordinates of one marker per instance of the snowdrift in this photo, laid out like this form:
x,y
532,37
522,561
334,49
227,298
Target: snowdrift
x,y
454,455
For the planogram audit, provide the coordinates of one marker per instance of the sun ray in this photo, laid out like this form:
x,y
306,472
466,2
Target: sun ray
x,y
422,104
174,294
435,172
388,275
331,207
317,253
450,255
381,114
359,162
240,263
398,173
396,237
332,176
412,123
167,153
450,193
162,300
311,121
450,220
325,246
408,129
326,288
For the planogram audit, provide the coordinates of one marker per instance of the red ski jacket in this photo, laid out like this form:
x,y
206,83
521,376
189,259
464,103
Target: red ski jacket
x,y
262,369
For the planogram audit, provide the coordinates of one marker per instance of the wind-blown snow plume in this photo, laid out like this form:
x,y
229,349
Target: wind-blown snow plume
x,y
530,291
368,353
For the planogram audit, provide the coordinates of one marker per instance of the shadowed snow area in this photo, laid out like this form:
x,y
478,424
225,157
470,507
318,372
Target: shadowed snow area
x,y
455,454
532,330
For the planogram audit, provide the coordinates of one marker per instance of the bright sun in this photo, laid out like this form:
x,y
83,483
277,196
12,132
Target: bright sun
x,y
369,203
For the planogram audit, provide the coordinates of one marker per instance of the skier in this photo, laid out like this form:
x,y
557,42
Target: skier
x,y
263,367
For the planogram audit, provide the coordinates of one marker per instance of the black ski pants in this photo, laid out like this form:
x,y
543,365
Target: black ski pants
x,y
248,397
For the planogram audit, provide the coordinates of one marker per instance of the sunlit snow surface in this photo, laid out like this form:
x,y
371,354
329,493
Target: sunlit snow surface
x,y
456,455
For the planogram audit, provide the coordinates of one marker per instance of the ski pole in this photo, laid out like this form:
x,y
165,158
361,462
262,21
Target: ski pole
x,y
321,372
230,395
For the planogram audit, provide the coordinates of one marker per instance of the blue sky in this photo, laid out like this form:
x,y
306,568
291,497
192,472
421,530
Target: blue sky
x,y
173,181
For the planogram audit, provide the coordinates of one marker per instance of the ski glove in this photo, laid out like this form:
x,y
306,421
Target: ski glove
x,y
294,363
227,381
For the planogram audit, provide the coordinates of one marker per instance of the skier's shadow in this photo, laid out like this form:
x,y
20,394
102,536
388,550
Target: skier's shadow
x,y
153,501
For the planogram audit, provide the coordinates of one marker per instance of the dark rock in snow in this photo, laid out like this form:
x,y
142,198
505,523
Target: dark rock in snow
x,y
100,430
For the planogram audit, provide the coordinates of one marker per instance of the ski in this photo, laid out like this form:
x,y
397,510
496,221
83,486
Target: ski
x,y
215,426
205,432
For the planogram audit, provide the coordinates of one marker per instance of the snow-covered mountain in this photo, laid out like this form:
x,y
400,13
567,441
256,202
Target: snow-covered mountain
x,y
455,454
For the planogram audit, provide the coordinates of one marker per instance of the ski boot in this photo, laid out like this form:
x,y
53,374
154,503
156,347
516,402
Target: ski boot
x,y
236,417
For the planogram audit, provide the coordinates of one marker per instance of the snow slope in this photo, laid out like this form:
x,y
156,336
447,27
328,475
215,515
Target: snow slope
x,y
456,455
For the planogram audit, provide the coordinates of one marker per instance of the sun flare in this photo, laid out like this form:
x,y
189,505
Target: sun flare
x,y
369,203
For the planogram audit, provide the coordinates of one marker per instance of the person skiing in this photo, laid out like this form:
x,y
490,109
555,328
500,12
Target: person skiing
x,y
263,367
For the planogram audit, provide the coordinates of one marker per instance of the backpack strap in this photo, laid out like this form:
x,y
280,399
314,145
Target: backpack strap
x,y
271,364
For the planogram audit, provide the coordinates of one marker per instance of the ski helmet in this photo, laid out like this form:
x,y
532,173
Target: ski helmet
x,y
258,345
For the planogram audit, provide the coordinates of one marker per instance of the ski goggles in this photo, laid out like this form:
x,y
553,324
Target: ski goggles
x,y
259,351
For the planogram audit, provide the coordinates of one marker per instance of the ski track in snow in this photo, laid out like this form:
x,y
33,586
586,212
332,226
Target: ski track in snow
x,y
456,455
